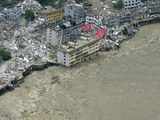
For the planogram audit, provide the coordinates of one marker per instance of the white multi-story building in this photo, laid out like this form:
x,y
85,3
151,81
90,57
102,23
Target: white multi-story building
x,y
131,4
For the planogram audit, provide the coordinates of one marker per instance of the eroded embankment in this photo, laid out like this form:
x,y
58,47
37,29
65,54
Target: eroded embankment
x,y
121,85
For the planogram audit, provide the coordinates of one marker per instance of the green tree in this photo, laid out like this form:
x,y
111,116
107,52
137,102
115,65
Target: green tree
x,y
55,3
29,15
4,54
118,4
8,3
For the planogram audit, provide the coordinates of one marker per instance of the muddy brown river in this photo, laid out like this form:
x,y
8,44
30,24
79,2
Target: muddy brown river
x,y
118,85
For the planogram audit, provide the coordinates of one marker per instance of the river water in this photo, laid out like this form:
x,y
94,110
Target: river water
x,y
118,85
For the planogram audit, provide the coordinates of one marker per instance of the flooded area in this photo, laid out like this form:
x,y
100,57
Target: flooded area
x,y
118,85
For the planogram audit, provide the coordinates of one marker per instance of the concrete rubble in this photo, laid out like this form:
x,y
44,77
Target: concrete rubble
x,y
27,45
27,48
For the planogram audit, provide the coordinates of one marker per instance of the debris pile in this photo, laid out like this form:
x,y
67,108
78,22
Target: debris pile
x,y
27,48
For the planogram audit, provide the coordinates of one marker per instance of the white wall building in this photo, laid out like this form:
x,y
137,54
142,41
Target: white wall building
x,y
130,4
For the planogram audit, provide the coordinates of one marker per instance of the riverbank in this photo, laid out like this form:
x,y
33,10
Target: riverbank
x,y
119,85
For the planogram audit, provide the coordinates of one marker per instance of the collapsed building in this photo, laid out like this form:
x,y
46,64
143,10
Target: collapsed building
x,y
27,48
80,42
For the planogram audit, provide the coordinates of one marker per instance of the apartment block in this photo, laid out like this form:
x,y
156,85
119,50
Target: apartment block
x,y
131,4
69,55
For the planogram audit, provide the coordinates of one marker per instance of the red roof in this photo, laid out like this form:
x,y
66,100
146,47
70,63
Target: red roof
x,y
86,27
101,33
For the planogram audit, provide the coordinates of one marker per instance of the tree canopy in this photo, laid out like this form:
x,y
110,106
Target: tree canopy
x,y
29,15
118,4
51,2
6,3
4,54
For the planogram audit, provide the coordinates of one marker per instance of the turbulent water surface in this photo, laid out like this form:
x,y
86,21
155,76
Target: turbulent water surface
x,y
123,85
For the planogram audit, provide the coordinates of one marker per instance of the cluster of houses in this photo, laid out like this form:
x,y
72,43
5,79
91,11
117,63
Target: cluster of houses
x,y
119,27
73,12
134,4
152,5
79,36
13,14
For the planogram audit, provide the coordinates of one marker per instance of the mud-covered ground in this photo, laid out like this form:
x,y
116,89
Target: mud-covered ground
x,y
123,85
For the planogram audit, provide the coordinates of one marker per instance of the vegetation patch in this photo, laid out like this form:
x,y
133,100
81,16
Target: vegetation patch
x,y
5,54
8,3
117,4
55,3
29,15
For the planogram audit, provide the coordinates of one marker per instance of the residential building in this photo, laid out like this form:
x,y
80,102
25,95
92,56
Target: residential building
x,y
74,52
12,14
74,12
153,6
52,16
132,4
69,57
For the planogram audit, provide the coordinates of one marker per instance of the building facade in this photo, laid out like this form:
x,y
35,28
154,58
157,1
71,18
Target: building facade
x,y
131,4
153,6
71,57
52,16
74,13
